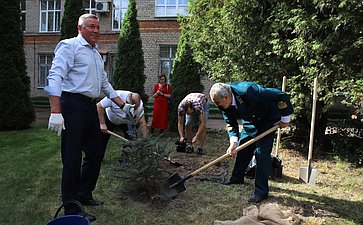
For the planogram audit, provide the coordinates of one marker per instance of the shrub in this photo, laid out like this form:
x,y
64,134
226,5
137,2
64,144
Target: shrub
x,y
17,111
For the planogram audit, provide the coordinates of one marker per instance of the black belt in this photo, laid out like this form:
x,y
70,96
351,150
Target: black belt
x,y
78,95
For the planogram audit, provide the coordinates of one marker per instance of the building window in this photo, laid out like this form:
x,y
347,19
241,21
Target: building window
x,y
22,15
167,56
170,8
89,6
50,16
44,64
118,13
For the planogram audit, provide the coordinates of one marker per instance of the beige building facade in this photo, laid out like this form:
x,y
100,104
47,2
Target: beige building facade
x,y
159,32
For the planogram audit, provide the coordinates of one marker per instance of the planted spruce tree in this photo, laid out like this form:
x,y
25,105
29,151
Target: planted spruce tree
x,y
129,69
17,111
142,169
185,77
73,9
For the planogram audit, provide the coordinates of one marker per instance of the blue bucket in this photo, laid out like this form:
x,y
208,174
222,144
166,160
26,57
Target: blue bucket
x,y
70,219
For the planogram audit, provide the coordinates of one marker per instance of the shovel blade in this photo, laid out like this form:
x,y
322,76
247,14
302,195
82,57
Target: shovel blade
x,y
308,175
169,192
172,162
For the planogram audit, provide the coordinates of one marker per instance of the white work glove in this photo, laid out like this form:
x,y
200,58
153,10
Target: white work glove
x,y
128,108
56,123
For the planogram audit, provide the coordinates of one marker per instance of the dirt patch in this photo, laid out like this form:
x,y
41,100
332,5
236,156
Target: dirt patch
x,y
192,162
183,164
214,147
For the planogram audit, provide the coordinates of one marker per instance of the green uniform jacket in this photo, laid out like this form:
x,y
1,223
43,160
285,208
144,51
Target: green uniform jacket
x,y
258,108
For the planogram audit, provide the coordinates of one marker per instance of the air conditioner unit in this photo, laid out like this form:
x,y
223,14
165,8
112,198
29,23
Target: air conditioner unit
x,y
102,7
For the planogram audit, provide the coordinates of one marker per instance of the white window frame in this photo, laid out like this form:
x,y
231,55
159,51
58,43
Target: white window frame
x,y
23,15
55,12
118,13
167,60
91,6
163,8
43,69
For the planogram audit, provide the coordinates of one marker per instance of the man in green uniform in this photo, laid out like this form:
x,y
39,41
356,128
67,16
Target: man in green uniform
x,y
259,108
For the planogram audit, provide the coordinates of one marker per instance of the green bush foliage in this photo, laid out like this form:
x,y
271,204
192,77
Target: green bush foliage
x,y
17,111
263,41
353,91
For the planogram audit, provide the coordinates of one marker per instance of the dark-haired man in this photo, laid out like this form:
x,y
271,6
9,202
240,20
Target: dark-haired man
x,y
193,111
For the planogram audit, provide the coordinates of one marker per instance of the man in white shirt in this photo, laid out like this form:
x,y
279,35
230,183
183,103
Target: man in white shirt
x,y
110,116
76,79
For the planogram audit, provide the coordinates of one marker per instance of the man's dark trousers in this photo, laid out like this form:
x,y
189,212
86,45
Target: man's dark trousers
x,y
262,150
82,134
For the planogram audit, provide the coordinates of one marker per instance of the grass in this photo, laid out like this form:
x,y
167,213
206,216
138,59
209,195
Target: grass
x,y
30,168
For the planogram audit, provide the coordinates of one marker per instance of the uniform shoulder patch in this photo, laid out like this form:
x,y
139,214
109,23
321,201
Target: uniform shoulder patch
x,y
282,105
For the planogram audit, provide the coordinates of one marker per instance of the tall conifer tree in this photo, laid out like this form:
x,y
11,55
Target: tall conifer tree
x,y
17,111
129,69
185,77
73,9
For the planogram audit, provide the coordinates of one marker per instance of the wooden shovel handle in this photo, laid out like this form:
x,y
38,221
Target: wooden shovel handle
x,y
278,138
244,145
116,135
312,125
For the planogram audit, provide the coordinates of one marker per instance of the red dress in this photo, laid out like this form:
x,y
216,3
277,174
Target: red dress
x,y
160,112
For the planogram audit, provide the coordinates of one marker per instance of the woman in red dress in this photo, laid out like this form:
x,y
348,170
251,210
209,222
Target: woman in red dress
x,y
162,92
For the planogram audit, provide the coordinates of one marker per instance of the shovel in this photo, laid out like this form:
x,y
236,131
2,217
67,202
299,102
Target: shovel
x,y
118,136
276,170
308,174
175,184
126,140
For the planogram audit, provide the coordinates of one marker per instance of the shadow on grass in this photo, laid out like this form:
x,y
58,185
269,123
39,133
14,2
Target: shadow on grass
x,y
286,179
323,206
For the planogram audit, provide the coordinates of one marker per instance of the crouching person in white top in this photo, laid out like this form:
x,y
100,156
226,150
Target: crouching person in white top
x,y
111,116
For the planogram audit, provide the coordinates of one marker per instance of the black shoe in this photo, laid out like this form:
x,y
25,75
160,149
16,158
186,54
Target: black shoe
x,y
200,151
180,146
92,202
230,182
257,198
190,149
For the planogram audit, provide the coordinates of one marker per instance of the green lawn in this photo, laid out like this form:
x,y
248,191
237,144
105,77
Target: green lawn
x,y
30,188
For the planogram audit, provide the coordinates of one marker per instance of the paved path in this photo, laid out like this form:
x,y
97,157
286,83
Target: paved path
x,y
43,113
212,123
